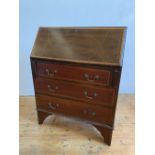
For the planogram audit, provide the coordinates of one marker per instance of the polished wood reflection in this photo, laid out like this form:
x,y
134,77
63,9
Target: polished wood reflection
x,y
86,45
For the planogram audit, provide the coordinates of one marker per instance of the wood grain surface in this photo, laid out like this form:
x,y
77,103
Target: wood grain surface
x,y
92,45
65,136
76,73
104,96
89,112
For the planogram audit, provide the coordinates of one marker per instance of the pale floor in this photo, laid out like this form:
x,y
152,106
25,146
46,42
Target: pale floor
x,y
65,136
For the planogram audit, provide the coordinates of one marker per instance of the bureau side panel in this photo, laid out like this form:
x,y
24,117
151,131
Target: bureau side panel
x,y
34,72
116,82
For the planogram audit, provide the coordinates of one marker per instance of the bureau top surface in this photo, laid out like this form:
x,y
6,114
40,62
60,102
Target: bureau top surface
x,y
101,45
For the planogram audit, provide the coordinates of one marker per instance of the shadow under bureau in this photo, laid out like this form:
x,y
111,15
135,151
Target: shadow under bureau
x,y
76,72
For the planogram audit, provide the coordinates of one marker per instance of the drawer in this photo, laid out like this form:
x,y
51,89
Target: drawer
x,y
94,94
74,73
75,108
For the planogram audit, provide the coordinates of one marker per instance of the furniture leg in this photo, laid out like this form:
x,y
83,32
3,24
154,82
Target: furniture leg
x,y
41,116
106,133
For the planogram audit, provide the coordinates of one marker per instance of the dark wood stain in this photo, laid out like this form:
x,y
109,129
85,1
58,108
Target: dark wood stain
x,y
86,45
74,108
104,96
57,71
76,72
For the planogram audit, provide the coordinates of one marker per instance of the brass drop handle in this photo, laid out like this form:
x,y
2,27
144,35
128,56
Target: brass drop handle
x,y
88,77
51,74
93,113
89,112
90,97
53,106
52,89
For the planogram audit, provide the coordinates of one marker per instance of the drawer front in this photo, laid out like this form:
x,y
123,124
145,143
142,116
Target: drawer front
x,y
103,96
74,108
89,75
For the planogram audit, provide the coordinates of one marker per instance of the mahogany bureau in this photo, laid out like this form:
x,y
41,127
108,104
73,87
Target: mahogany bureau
x,y
76,72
